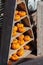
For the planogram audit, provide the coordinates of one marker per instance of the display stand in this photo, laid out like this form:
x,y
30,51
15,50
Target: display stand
x,y
20,5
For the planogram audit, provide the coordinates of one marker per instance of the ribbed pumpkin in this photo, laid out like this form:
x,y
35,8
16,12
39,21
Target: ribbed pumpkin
x,y
22,13
16,17
14,33
22,29
21,42
20,52
26,47
15,46
14,58
21,37
19,25
27,38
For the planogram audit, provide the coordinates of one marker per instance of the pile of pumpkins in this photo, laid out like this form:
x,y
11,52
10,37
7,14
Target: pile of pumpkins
x,y
19,27
19,14
15,56
16,43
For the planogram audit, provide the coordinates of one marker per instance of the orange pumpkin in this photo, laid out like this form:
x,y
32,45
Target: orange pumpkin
x,y
19,25
14,28
14,41
27,38
16,12
14,33
22,29
14,58
15,46
21,37
26,47
22,13
21,42
16,17
20,52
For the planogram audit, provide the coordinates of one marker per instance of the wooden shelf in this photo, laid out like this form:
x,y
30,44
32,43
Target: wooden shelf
x,y
26,52
11,51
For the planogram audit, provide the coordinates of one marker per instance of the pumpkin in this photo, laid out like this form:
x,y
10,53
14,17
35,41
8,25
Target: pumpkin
x,y
14,58
27,38
14,28
22,13
22,29
14,33
26,47
16,12
16,17
20,52
21,37
21,42
14,41
15,46
19,25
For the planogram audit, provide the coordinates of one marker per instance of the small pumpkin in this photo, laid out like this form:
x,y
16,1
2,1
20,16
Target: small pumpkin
x,y
21,42
19,25
27,38
14,41
14,33
16,17
26,47
20,52
21,37
22,13
14,28
22,29
14,58
15,46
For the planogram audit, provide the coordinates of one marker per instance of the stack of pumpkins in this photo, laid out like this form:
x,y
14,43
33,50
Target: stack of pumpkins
x,y
19,27
19,14
16,43
15,56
